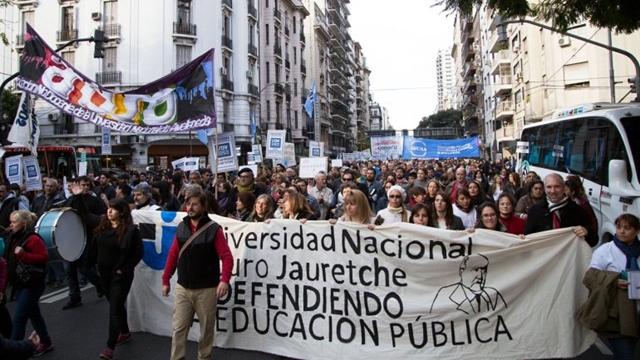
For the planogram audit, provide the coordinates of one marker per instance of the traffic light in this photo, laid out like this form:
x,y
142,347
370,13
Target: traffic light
x,y
633,83
99,38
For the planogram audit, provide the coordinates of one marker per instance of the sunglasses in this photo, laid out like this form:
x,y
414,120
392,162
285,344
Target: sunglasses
x,y
395,196
347,179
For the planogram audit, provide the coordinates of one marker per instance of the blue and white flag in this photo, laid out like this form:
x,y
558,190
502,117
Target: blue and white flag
x,y
253,127
311,99
203,135
26,130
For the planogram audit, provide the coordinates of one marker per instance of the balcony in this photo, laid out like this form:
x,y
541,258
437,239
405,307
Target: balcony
x,y
338,47
253,50
277,15
286,31
228,4
227,43
67,35
469,69
504,110
279,88
112,30
252,11
287,64
502,60
109,78
65,129
503,86
320,23
182,28
226,84
303,39
505,133
253,90
303,67
470,85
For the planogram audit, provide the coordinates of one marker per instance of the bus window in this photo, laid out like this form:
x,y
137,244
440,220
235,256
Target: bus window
x,y
632,128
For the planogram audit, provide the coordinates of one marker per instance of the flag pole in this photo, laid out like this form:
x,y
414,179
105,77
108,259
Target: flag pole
x,y
214,158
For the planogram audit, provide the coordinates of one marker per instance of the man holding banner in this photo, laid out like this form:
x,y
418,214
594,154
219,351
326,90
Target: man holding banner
x,y
196,252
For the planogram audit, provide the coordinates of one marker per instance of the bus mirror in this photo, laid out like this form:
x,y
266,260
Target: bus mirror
x,y
618,183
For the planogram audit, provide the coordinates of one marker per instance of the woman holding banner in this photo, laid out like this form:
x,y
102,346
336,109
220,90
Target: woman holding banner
x,y
395,211
608,284
356,209
263,209
444,217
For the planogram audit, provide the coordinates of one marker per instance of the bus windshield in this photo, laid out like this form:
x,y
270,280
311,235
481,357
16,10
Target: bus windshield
x,y
632,128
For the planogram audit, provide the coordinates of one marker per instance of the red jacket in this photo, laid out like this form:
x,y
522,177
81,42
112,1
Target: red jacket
x,y
514,224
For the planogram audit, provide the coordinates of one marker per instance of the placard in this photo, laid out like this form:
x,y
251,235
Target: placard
x,y
309,167
290,154
186,163
634,284
82,168
275,144
13,169
32,173
106,141
522,147
256,155
336,163
316,149
226,151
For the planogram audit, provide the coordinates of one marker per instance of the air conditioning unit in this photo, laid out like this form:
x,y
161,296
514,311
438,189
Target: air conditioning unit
x,y
321,53
477,78
223,71
249,74
516,48
479,112
519,76
476,47
96,16
53,117
564,41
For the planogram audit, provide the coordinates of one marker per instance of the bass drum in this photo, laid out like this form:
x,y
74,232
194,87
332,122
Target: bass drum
x,y
63,233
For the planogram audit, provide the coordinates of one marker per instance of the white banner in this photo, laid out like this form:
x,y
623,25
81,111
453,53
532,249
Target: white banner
x,y
186,163
309,167
336,163
227,159
32,173
386,147
275,144
317,291
13,169
256,155
106,141
26,129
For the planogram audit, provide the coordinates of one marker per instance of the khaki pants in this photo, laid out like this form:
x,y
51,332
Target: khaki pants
x,y
202,302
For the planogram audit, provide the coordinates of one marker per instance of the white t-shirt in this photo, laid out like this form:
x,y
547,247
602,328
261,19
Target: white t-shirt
x,y
609,257
468,219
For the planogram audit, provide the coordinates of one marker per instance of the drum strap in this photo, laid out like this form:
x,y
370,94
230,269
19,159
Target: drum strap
x,y
193,237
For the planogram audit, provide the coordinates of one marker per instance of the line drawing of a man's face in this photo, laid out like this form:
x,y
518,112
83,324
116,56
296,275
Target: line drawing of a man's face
x,y
473,272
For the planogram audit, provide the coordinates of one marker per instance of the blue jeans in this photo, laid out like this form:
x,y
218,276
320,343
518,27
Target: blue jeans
x,y
27,308
71,270
623,347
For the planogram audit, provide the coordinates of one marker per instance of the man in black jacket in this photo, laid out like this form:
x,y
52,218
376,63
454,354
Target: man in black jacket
x,y
557,211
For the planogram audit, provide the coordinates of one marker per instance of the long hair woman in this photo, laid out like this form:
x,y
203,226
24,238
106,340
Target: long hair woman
x,y
263,209
297,207
244,206
168,201
27,247
395,210
477,193
356,209
488,215
575,191
443,215
117,246
433,188
421,214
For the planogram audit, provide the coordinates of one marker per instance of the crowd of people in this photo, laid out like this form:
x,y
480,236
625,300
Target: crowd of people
x,y
452,194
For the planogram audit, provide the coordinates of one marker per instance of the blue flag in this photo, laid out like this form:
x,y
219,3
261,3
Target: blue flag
x,y
311,99
203,135
253,128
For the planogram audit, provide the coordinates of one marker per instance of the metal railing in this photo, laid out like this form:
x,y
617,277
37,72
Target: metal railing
x,y
227,42
226,84
252,10
113,77
67,35
253,50
184,28
65,129
111,29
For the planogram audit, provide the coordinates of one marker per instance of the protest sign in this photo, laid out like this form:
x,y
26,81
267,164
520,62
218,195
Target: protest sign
x,y
227,159
275,144
13,169
309,167
32,173
354,293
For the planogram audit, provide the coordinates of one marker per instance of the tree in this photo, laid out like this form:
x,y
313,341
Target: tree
x,y
9,108
444,118
619,15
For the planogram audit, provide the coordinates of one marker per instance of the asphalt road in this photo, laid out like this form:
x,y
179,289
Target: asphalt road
x,y
81,333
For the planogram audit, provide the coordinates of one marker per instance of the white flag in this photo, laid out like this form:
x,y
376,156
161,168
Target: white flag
x,y
26,130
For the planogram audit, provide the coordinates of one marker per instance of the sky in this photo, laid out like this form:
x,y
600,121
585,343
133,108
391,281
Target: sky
x,y
400,40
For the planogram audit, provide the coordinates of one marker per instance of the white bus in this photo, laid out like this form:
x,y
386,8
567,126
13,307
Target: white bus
x,y
600,142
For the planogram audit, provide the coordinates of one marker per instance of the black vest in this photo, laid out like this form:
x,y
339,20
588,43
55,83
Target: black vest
x,y
199,265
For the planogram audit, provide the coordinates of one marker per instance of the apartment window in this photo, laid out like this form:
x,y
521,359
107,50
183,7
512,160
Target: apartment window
x,y
294,24
226,26
267,3
251,34
268,72
67,18
28,17
268,110
517,96
266,33
295,87
111,12
183,55
69,57
109,63
295,116
295,55
184,12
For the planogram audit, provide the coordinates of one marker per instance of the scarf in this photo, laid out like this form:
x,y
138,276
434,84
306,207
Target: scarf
x,y
242,189
631,251
554,209
467,210
398,210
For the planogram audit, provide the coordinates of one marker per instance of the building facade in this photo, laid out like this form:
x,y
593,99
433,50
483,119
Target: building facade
x,y
445,79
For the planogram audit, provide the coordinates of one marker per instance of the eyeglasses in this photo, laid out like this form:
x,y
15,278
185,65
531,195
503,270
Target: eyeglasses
x,y
395,196
489,216
347,179
244,176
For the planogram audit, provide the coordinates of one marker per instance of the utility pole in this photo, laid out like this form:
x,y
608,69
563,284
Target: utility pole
x,y
502,34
